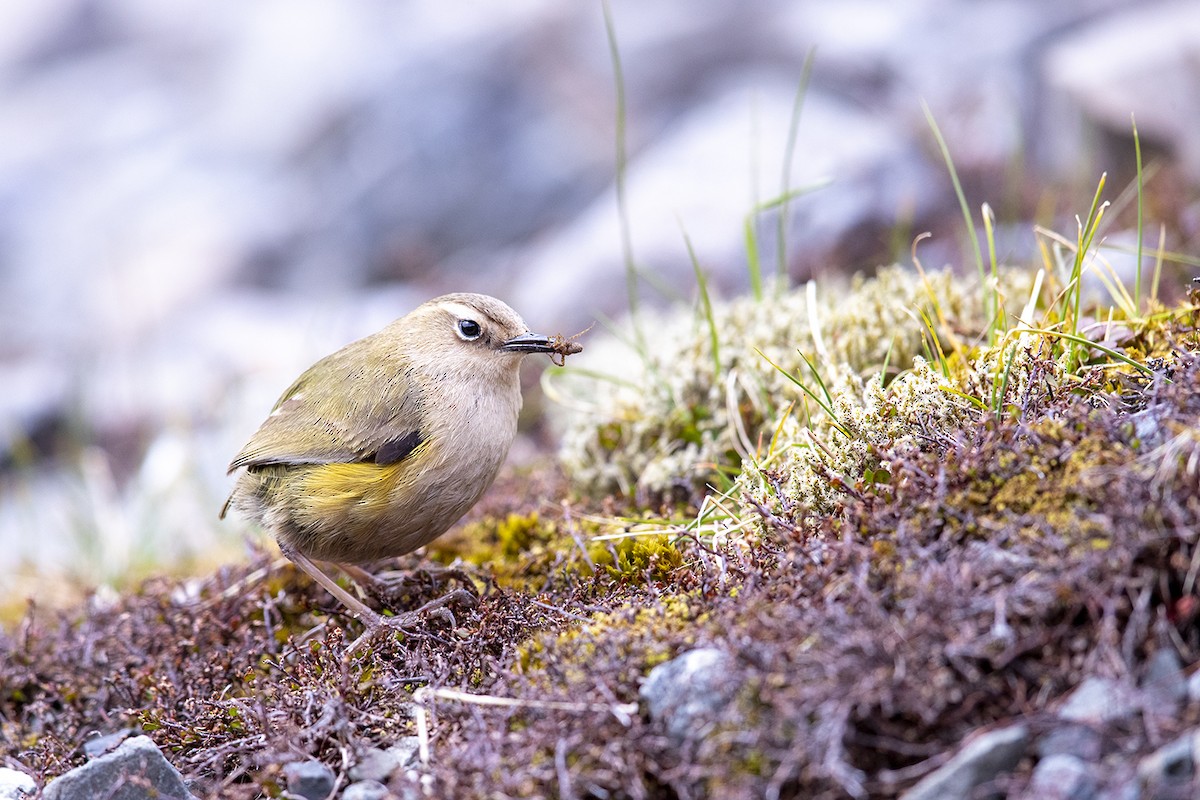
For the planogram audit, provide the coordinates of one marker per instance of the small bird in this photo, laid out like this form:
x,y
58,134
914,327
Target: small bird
x,y
380,447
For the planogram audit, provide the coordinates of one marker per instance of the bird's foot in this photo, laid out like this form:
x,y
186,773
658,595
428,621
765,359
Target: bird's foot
x,y
434,609
393,586
376,622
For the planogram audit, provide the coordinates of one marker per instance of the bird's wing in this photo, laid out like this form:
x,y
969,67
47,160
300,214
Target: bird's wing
x,y
352,414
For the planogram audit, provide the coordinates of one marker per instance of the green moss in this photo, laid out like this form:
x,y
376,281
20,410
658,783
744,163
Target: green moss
x,y
516,549
631,558
637,636
527,552
517,534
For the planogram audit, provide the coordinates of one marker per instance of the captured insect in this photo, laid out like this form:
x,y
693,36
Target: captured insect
x,y
562,346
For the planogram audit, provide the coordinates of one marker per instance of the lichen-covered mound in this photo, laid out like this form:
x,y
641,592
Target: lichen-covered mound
x,y
999,568
956,549
670,418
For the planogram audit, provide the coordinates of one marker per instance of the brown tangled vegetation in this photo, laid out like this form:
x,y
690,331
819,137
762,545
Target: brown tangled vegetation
x,y
993,570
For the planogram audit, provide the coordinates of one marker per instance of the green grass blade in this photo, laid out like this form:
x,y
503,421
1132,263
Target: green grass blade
x,y
887,359
1086,342
750,233
1007,357
753,262
631,278
992,293
970,398
706,301
817,377
1160,254
1137,279
781,200
826,406
958,190
1087,233
789,152
937,354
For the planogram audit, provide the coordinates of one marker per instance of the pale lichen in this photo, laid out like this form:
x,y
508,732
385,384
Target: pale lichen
x,y
674,415
811,467
1020,363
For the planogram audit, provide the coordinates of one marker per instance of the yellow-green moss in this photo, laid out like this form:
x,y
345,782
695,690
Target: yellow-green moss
x,y
634,557
516,549
525,551
635,635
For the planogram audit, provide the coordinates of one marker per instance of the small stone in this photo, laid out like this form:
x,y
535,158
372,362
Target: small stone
x,y
406,750
1072,739
134,771
1170,768
1062,777
1193,687
310,780
981,761
99,745
1127,789
16,785
687,692
366,790
1099,700
1164,684
375,764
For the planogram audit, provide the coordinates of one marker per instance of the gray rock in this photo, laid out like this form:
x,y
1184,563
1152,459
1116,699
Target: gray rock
x,y
134,771
1148,427
981,761
100,745
406,750
1164,686
309,780
1098,700
1062,777
1154,77
1193,687
686,693
16,785
1127,789
1083,715
375,764
1073,739
366,790
1171,768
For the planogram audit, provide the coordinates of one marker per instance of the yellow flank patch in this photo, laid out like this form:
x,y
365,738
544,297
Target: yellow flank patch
x,y
326,491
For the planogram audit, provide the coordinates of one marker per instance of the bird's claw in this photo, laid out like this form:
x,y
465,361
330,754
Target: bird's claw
x,y
434,609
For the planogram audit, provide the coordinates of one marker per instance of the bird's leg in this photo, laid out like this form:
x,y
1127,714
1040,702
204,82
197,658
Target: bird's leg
x,y
374,621
358,608
393,584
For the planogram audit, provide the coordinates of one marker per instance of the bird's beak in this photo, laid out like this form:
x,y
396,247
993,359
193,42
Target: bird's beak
x,y
528,343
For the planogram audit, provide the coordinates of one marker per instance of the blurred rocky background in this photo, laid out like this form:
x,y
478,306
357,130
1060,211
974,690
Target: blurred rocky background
x,y
199,198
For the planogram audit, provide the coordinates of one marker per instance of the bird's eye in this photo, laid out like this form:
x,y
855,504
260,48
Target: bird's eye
x,y
469,330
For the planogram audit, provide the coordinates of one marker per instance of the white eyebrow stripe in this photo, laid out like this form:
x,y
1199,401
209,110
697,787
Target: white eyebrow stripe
x,y
463,311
